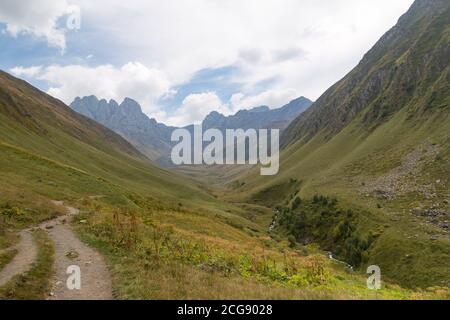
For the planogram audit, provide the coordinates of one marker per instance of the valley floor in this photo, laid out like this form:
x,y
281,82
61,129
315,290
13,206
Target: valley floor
x,y
179,254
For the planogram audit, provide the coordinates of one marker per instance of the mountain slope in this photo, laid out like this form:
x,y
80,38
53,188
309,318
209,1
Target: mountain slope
x,y
41,129
153,138
258,118
408,67
50,152
163,236
379,141
127,119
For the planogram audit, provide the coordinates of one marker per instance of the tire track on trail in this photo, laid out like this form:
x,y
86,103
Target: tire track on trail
x,y
23,260
69,251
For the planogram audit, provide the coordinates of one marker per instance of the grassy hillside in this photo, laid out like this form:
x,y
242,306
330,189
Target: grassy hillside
x,y
163,235
408,68
37,127
379,142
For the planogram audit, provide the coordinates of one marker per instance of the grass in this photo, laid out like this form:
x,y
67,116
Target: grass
x,y
360,130
167,236
6,257
19,209
339,167
154,259
34,284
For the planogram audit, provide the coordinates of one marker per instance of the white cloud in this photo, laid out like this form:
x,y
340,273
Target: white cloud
x,y
38,18
134,80
29,72
304,44
270,98
146,85
195,108
281,50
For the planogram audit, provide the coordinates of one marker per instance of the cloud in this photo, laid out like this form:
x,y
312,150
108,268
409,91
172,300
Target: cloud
x,y
307,44
146,85
196,107
290,53
38,18
270,98
276,52
134,80
29,72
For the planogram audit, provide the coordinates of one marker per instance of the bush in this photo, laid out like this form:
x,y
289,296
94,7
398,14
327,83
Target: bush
x,y
321,221
296,203
292,241
317,273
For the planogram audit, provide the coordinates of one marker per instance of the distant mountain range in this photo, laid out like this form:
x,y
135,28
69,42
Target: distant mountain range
x,y
153,138
61,152
128,120
258,118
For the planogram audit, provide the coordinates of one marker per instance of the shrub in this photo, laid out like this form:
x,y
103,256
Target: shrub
x,y
296,203
292,241
321,221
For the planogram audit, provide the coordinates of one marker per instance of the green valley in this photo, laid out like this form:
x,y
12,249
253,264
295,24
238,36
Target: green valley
x,y
363,181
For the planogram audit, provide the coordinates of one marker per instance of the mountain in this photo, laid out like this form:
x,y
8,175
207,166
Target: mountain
x,y
128,120
379,142
129,208
406,69
48,147
367,187
163,235
259,117
153,138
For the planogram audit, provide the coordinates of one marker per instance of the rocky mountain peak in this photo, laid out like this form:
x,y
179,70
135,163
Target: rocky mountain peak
x,y
130,106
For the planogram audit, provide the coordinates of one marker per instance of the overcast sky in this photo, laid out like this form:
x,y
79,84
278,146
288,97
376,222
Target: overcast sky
x,y
181,59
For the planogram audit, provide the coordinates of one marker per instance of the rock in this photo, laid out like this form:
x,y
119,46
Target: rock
x,y
444,225
72,254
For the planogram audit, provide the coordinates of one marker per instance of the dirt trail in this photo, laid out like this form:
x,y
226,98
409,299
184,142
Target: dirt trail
x,y
23,260
69,251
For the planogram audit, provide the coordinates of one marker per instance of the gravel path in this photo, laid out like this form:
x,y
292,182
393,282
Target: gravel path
x,y
69,251
23,260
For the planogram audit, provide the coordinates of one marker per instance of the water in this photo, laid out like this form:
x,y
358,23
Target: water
x,y
330,255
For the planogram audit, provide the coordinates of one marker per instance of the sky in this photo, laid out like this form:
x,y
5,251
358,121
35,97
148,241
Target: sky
x,y
182,59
